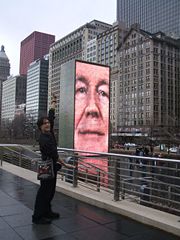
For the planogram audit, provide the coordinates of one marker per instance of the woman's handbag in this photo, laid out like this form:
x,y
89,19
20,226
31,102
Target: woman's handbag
x,y
45,170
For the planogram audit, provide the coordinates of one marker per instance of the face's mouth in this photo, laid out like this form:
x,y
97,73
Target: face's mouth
x,y
89,132
47,129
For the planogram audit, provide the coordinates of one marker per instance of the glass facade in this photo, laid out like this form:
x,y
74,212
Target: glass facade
x,y
8,99
14,93
37,88
152,15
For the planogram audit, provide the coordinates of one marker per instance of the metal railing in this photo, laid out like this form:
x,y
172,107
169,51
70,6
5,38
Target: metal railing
x,y
18,155
153,182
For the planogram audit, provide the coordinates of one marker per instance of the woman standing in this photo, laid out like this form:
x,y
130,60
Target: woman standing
x,y
43,213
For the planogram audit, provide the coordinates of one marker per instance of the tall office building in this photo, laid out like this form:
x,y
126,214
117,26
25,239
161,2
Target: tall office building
x,y
35,46
72,46
152,15
4,71
13,94
107,45
37,89
108,42
149,81
91,50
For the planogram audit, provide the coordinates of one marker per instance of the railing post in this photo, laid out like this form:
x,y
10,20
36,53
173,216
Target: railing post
x,y
123,191
1,156
86,177
116,179
98,180
150,190
62,175
169,196
75,174
20,157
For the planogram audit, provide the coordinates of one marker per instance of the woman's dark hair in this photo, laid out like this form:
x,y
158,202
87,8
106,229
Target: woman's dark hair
x,y
41,121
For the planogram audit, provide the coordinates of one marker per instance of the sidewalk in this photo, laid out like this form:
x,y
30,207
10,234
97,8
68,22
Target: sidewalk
x,y
78,220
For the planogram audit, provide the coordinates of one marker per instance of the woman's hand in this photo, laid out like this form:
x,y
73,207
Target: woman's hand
x,y
54,98
69,166
53,102
66,164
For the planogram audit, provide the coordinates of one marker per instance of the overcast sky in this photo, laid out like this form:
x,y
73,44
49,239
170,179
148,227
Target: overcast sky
x,y
19,18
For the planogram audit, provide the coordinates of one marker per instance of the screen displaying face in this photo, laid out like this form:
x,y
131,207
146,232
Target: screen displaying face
x,y
91,121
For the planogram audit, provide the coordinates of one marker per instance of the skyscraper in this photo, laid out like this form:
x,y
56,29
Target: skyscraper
x,y
35,46
37,89
148,84
152,15
4,72
72,46
13,94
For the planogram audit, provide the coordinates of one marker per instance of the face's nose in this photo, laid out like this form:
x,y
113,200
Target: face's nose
x,y
92,108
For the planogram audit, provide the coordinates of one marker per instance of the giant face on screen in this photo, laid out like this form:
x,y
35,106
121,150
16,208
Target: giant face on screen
x,y
91,121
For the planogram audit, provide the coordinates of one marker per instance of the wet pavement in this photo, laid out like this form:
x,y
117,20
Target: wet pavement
x,y
78,220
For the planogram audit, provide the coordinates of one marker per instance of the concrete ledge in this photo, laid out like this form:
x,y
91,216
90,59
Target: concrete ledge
x,y
164,221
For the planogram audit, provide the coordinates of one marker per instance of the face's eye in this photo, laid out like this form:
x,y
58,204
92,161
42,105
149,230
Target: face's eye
x,y
46,122
102,93
81,90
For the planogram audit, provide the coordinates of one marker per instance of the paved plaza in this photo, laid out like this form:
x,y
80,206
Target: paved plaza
x,y
78,220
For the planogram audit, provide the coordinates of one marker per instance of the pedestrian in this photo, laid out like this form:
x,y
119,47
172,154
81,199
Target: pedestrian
x,y
43,213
